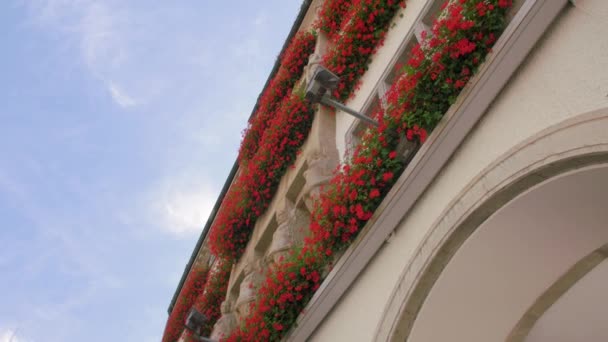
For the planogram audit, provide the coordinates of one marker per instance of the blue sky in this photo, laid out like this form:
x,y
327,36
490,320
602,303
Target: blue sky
x,y
119,122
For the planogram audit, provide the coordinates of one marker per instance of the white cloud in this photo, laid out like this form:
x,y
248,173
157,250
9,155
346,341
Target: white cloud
x,y
186,212
10,335
181,207
104,39
143,54
101,30
120,97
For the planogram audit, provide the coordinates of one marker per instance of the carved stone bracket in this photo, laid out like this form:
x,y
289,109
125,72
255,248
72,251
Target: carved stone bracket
x,y
254,275
301,224
292,227
282,238
320,171
316,57
226,324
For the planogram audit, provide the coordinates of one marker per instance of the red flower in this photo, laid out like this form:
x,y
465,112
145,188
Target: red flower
x,y
422,134
387,176
460,33
481,8
374,193
504,3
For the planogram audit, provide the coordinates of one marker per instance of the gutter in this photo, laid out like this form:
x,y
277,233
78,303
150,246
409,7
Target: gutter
x,y
294,29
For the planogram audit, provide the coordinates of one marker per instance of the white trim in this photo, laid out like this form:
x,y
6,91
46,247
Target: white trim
x,y
517,40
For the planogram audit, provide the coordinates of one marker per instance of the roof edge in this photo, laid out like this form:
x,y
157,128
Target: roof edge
x,y
294,29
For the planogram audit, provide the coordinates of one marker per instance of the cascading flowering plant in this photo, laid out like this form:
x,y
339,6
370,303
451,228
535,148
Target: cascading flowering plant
x,y
435,74
293,61
204,290
209,301
362,33
288,125
331,15
290,118
431,80
193,286
254,187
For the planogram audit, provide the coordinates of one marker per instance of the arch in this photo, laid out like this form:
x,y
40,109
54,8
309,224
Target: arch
x,y
572,145
553,293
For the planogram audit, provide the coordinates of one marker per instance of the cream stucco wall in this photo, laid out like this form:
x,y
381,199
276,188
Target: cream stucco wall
x,y
564,76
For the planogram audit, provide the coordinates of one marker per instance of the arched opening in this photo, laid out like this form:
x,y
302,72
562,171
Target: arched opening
x,y
532,271
571,148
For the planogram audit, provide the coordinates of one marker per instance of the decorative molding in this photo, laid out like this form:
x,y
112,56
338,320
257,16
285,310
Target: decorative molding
x,y
523,328
545,155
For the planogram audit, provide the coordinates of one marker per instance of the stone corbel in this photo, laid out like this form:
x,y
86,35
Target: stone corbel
x,y
282,238
226,324
301,224
319,172
254,275
316,57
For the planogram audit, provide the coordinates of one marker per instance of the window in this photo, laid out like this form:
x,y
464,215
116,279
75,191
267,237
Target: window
x,y
358,127
422,24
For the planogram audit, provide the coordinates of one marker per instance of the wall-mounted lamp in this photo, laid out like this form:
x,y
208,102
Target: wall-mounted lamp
x,y
194,323
319,89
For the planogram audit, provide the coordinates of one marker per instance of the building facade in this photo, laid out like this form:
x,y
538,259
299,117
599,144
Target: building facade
x,y
494,227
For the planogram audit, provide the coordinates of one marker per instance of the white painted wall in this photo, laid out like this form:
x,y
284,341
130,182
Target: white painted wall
x,y
566,75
